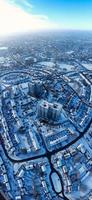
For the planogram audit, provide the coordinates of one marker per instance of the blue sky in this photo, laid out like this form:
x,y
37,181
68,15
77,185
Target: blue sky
x,y
67,14
29,15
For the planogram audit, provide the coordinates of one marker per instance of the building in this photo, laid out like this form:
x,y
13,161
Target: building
x,y
49,111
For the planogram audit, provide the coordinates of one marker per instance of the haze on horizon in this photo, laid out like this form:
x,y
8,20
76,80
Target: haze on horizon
x,y
18,16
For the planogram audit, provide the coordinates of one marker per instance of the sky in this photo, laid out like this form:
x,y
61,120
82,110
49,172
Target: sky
x,y
30,15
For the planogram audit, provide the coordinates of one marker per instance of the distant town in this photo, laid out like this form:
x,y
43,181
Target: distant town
x,y
46,117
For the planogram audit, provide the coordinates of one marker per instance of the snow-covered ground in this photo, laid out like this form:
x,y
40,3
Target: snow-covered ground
x,y
87,66
66,67
3,48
